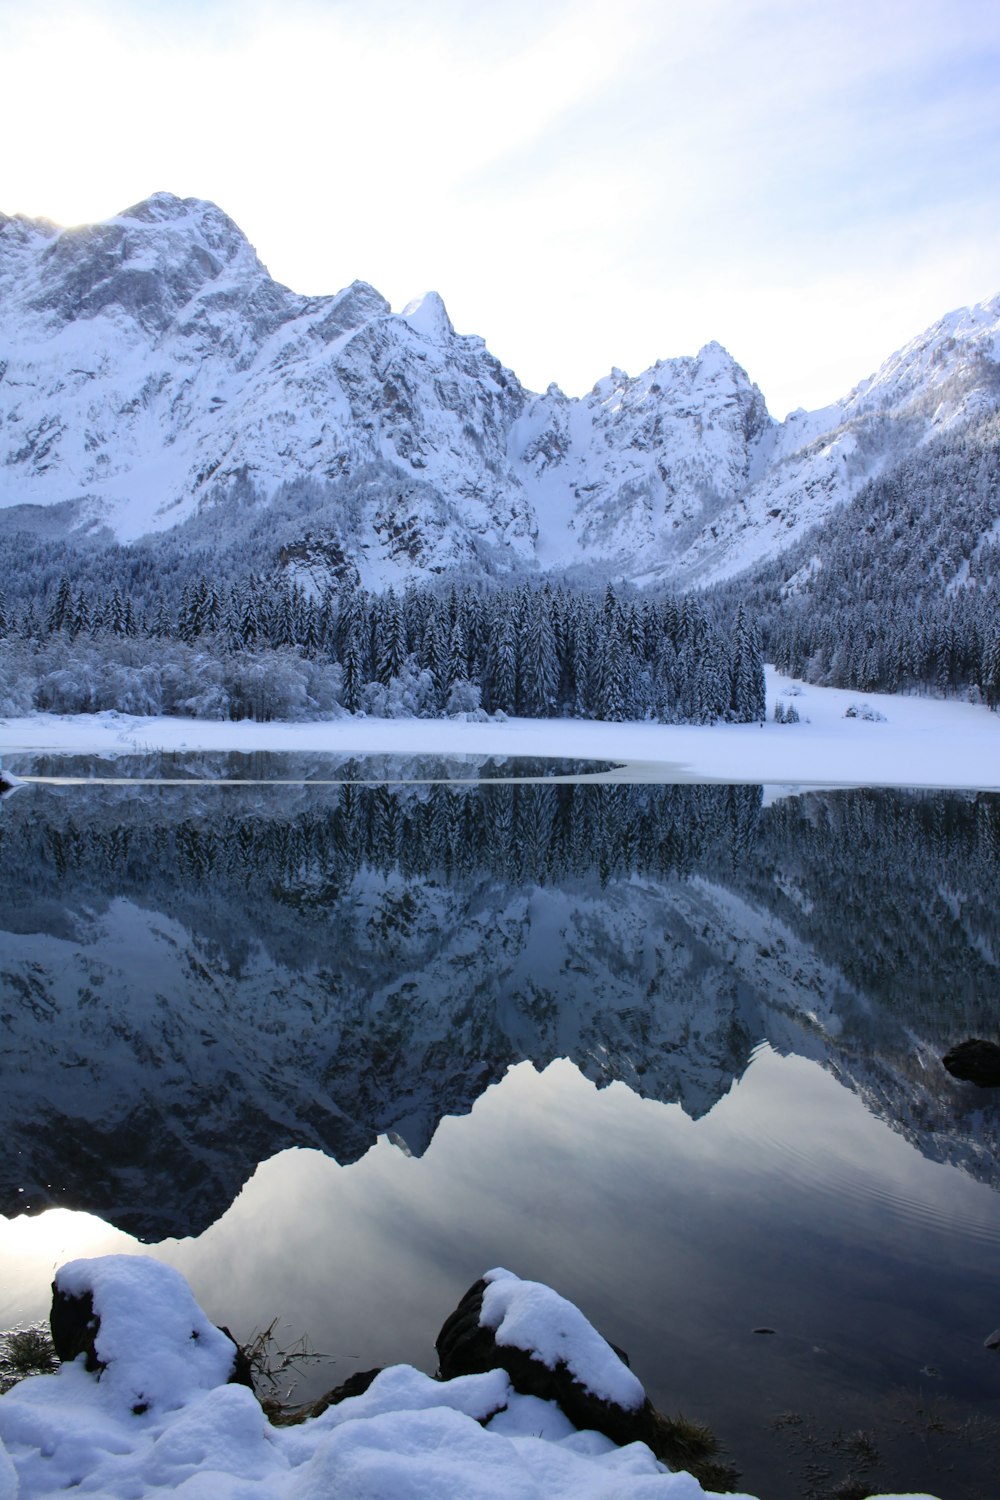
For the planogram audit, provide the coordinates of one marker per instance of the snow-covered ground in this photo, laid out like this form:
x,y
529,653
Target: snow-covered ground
x,y
160,1418
918,742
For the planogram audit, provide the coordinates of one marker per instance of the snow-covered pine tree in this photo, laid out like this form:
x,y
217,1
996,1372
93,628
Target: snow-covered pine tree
x,y
435,655
391,639
60,616
500,688
161,626
747,700
610,696
538,675
990,680
283,631
353,679
81,622
458,654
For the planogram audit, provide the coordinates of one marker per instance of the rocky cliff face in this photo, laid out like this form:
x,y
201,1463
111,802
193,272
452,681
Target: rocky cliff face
x,y
149,367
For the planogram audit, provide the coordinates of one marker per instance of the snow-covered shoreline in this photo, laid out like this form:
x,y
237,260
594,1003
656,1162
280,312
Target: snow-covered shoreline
x,y
917,742
148,1406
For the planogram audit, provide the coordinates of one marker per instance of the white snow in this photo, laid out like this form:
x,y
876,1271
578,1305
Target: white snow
x,y
408,1437
178,1353
924,742
426,315
678,472
529,1315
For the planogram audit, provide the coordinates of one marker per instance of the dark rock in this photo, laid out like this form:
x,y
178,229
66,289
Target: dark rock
x,y
354,1385
975,1061
466,1348
74,1326
242,1368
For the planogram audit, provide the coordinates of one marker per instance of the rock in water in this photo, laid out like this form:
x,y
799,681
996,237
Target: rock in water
x,y
975,1061
549,1350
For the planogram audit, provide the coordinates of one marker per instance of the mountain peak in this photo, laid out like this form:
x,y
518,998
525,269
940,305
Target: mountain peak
x,y
150,361
349,309
428,315
159,208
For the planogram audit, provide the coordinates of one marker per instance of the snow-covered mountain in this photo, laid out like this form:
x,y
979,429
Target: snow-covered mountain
x,y
150,368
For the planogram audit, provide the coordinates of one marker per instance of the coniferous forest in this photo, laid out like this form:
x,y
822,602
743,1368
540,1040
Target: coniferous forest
x,y
263,651
897,590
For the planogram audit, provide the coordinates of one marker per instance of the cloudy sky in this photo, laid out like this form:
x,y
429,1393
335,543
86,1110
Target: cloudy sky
x,y
587,185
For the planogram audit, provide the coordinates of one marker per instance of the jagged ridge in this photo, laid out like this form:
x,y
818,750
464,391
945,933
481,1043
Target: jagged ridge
x,y
151,366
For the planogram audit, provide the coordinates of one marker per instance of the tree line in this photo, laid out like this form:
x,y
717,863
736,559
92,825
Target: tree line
x,y
262,649
899,589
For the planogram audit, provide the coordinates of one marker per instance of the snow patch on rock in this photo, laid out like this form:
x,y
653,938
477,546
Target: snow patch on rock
x,y
155,1343
408,1437
531,1316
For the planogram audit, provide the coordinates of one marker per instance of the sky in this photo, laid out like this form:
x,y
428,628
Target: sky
x,y
587,185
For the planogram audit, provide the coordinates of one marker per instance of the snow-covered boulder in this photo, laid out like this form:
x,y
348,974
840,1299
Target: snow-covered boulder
x,y
158,1414
135,1322
550,1351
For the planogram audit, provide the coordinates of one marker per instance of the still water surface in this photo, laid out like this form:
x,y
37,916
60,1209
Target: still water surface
x,y
670,1049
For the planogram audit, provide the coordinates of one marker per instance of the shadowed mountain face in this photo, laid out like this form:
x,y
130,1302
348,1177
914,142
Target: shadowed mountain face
x,y
197,977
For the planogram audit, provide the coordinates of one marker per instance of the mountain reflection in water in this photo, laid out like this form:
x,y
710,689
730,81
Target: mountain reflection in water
x,y
198,977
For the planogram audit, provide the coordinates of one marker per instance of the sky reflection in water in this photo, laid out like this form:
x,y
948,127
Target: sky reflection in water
x,y
669,930
788,1206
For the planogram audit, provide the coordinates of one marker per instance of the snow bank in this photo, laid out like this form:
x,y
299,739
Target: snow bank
x,y
408,1437
918,742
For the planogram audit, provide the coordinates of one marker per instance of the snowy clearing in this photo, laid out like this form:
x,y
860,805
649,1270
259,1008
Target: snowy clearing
x,y
918,742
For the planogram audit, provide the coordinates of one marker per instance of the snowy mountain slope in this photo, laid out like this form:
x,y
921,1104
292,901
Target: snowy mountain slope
x,y
944,377
638,468
151,360
150,366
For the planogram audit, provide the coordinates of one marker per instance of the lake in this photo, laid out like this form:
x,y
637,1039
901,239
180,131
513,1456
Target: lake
x,y
336,1036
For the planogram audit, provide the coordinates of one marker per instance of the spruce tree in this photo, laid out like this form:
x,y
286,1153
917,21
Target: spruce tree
x,y
60,616
539,666
991,666
747,700
501,664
